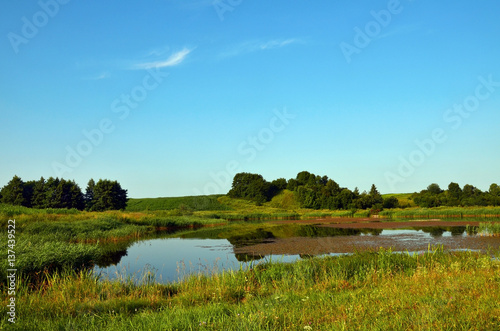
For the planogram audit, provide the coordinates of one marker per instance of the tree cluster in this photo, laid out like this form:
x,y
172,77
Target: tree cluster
x,y
255,187
312,191
61,193
469,195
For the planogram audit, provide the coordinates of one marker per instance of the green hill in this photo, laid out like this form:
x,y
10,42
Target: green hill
x,y
194,203
403,198
285,201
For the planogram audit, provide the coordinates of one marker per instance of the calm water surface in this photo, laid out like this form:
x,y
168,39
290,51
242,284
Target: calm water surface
x,y
171,259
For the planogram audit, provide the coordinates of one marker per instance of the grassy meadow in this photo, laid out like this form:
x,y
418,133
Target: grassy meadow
x,y
55,249
380,290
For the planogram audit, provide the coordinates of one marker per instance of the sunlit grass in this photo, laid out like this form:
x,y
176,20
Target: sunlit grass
x,y
54,240
372,290
442,212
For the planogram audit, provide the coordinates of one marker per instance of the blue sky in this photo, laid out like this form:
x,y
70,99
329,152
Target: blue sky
x,y
173,97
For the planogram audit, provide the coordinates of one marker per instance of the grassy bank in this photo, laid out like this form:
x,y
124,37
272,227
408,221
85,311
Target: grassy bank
x,y
372,290
54,239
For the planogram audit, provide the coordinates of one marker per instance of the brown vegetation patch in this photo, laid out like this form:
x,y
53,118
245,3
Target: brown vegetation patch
x,y
374,223
399,241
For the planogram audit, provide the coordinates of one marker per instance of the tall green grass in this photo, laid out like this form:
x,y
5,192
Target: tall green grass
x,y
176,222
379,290
51,241
438,212
489,229
10,211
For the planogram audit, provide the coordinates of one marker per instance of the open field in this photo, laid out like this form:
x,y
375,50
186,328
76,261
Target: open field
x,y
191,203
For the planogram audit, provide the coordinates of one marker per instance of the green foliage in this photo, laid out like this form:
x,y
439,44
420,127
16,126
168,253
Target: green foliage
x,y
107,195
320,192
494,190
253,187
390,202
61,193
89,196
433,196
317,192
13,193
310,191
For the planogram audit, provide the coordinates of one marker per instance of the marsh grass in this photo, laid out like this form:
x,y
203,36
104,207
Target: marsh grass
x,y
445,212
489,229
10,211
50,240
371,290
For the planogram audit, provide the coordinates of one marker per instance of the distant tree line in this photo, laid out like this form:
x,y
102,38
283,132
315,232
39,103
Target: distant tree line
x,y
320,192
62,193
469,195
312,191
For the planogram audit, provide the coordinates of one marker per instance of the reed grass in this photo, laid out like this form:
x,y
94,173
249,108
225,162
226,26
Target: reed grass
x,y
489,229
53,241
378,290
438,212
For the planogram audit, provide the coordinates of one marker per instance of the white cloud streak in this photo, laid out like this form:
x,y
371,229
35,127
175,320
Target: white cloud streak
x,y
100,76
174,60
255,46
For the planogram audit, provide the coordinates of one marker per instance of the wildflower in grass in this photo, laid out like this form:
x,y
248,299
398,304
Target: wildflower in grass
x,y
307,327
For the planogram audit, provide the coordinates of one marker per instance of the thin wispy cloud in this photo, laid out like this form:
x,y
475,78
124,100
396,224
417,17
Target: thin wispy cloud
x,y
277,43
256,46
173,60
100,76
400,30
158,51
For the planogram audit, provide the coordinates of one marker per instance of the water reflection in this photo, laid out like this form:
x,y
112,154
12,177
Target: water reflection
x,y
173,255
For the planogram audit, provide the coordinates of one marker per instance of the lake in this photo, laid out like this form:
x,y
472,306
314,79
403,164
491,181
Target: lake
x,y
170,258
